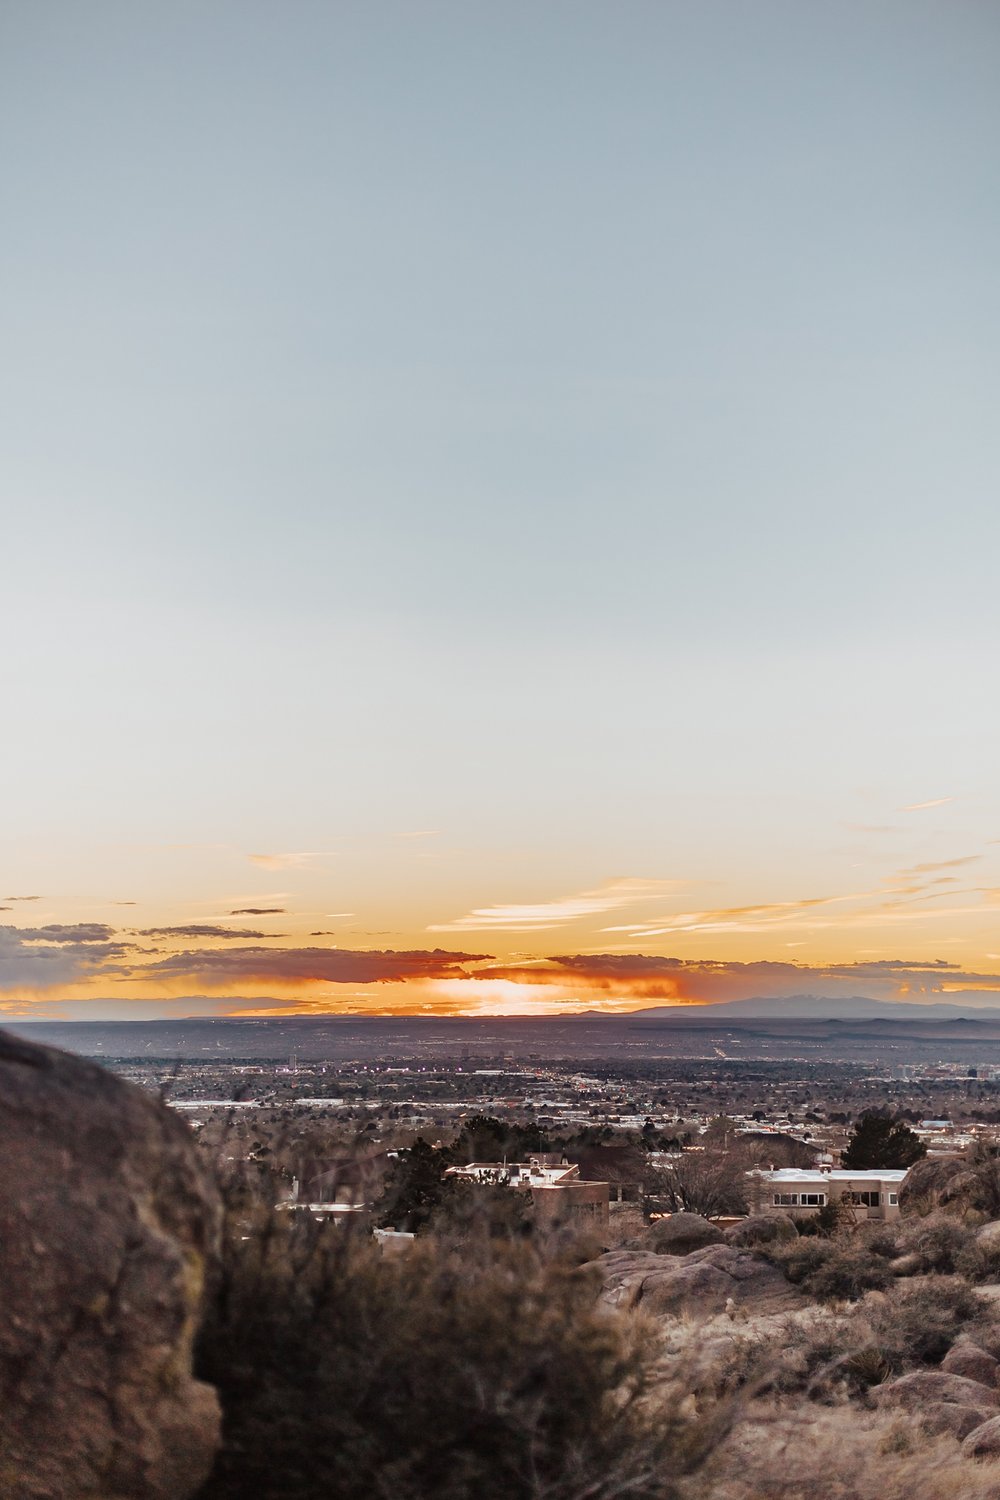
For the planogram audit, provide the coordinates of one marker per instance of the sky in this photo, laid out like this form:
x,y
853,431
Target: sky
x,y
500,504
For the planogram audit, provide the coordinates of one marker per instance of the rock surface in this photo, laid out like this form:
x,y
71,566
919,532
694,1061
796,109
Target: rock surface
x,y
953,1418
983,1440
915,1392
107,1227
928,1182
761,1229
966,1359
679,1234
715,1279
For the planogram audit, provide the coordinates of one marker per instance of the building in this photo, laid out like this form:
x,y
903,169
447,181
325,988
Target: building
x,y
558,1192
800,1192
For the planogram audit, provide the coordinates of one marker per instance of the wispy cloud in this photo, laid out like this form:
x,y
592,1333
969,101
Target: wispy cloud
x,y
22,898
542,915
205,930
923,806
753,918
259,911
294,861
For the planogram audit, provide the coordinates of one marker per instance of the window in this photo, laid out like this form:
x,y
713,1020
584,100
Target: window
x,y
813,1200
864,1200
786,1200
893,1198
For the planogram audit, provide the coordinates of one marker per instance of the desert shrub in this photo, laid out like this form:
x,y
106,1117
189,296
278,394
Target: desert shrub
x,y
917,1323
828,1221
476,1369
880,1239
979,1261
799,1259
936,1242
840,1269
823,1358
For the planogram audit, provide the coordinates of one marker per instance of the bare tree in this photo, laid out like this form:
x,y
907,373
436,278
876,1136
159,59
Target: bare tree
x,y
709,1181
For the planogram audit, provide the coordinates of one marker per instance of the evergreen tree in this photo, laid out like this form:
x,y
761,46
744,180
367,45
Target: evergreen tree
x,y
415,1188
880,1141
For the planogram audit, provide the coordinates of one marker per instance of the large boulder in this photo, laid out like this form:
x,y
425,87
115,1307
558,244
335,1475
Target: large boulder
x,y
107,1228
983,1441
951,1417
719,1278
679,1234
928,1182
761,1229
964,1358
915,1392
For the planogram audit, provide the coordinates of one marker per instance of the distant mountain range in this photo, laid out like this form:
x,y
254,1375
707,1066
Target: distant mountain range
x,y
822,1008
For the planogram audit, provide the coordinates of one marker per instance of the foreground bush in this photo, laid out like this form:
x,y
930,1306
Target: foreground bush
x,y
833,1270
463,1369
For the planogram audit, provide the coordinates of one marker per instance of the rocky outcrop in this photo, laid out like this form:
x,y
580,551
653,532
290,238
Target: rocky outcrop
x,y
761,1229
679,1234
967,1189
927,1183
915,1392
107,1228
716,1279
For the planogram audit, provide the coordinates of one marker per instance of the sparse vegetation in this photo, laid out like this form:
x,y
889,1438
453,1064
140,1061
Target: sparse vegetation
x,y
477,1365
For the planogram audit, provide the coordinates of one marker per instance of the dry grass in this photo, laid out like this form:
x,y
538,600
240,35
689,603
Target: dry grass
x,y
839,1454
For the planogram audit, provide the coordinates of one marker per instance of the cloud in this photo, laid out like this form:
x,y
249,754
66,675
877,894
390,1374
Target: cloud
x,y
259,911
539,916
284,861
201,930
22,898
762,915
922,806
38,957
72,932
650,977
941,864
304,965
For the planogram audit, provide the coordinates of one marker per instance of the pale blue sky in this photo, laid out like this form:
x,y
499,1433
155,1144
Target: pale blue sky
x,y
568,427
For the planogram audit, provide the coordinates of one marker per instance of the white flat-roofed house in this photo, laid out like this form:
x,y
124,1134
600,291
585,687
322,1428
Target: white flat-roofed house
x,y
799,1192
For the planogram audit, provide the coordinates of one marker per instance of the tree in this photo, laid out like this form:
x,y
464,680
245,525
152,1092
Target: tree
x,y
704,1182
415,1188
878,1140
485,1138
